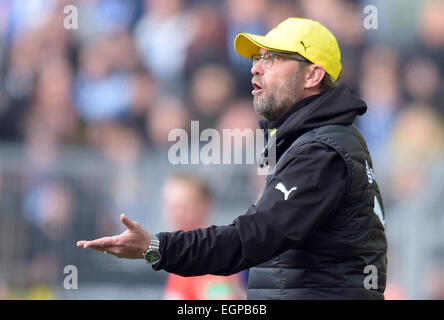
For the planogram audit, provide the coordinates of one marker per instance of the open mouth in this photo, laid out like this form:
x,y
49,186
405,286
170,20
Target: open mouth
x,y
256,89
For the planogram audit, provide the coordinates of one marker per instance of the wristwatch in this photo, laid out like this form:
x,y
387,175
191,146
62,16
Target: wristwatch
x,y
152,254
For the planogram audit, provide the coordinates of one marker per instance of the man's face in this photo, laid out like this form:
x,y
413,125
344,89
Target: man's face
x,y
184,207
276,89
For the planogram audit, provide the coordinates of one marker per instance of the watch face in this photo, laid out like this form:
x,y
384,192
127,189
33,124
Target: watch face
x,y
152,256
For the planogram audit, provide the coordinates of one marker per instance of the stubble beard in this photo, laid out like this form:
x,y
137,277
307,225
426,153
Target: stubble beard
x,y
278,100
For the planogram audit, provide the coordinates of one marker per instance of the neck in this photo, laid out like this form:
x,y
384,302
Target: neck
x,y
311,92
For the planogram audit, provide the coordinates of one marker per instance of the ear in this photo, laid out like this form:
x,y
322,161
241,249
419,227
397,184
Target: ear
x,y
313,75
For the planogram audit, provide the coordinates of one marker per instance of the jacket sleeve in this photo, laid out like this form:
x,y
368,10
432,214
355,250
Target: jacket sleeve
x,y
308,188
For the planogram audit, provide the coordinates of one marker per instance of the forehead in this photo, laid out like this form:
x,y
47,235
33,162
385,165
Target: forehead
x,y
262,50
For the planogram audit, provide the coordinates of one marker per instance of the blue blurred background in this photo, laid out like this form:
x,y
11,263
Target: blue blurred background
x,y
85,116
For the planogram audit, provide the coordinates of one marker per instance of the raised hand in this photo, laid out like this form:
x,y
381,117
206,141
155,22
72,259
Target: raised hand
x,y
130,244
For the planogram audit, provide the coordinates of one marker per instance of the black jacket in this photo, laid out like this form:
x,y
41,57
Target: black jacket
x,y
313,231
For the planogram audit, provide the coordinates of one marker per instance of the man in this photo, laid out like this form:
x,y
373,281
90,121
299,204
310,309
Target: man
x,y
318,230
187,205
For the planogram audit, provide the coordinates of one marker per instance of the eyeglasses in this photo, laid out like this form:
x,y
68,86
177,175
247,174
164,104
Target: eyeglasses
x,y
270,55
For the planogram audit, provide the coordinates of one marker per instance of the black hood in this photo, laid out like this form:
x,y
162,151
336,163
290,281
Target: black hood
x,y
338,106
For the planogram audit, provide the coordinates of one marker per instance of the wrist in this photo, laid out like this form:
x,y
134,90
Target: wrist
x,y
152,253
146,243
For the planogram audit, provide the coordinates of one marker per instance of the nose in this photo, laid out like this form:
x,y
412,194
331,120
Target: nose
x,y
258,68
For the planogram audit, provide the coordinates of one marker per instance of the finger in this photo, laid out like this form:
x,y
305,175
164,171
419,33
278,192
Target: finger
x,y
109,250
100,243
81,243
127,222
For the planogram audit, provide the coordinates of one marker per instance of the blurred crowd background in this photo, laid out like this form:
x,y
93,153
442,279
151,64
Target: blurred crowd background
x,y
85,116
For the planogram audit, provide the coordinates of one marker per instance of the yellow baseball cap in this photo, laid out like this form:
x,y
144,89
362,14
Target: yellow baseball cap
x,y
307,37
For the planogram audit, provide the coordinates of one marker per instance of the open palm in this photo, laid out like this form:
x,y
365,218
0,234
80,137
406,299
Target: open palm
x,y
129,244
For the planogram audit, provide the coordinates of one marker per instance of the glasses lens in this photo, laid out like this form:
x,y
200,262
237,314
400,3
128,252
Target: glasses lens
x,y
268,59
255,59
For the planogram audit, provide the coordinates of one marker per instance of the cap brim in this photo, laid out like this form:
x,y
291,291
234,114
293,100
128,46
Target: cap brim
x,y
247,44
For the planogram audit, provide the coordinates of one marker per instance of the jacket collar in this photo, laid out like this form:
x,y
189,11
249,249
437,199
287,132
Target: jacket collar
x,y
337,106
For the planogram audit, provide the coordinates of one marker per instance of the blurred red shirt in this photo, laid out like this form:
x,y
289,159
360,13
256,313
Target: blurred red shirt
x,y
207,287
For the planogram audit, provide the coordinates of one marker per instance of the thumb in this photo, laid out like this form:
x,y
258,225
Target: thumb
x,y
127,222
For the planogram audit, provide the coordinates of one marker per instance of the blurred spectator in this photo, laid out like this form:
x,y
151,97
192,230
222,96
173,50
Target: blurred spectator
x,y
167,113
51,120
279,10
49,207
102,87
143,90
56,210
210,90
394,292
18,81
422,82
187,206
49,210
5,15
435,280
351,37
431,31
240,115
345,19
26,15
52,102
123,149
240,118
396,21
416,143
120,144
165,24
104,17
208,43
327,12
246,15
415,217
379,87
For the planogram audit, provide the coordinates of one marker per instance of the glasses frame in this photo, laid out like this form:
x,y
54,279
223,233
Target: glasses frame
x,y
255,58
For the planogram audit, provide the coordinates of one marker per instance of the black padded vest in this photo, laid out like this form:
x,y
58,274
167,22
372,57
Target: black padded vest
x,y
332,262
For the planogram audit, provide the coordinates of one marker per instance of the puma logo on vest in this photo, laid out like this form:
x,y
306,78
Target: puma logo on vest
x,y
280,186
